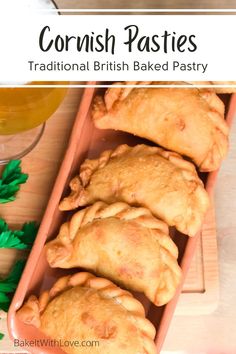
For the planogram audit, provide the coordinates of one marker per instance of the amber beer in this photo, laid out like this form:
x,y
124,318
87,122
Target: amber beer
x,y
25,108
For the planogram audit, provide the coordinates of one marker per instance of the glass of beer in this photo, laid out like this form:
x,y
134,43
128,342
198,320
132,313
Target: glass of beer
x,y
23,111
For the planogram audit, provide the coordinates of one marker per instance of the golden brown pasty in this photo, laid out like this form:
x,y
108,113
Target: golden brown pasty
x,y
188,121
126,245
82,307
159,180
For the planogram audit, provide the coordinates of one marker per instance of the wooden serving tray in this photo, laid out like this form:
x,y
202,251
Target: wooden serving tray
x,y
86,141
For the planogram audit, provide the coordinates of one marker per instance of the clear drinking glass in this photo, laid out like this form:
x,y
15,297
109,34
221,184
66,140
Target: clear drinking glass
x,y
23,111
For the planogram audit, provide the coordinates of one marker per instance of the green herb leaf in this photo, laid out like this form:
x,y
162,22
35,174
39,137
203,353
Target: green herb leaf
x,y
29,232
15,273
10,238
9,285
5,306
3,297
11,168
12,177
19,239
3,226
1,336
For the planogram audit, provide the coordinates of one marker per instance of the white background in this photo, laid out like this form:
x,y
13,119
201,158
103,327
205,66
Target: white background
x,y
215,38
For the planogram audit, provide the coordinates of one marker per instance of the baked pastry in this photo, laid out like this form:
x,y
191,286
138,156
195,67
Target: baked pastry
x,y
188,121
126,245
218,89
159,180
83,307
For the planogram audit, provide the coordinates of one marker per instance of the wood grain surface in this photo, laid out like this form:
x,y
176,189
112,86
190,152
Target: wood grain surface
x,y
42,165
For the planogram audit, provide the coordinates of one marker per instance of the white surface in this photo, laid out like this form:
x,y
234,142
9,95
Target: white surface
x,y
20,6
86,64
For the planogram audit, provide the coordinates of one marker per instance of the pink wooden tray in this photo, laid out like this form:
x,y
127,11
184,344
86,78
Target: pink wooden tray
x,y
87,141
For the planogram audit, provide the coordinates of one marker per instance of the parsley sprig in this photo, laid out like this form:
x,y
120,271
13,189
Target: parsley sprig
x,y
12,178
10,181
19,239
9,285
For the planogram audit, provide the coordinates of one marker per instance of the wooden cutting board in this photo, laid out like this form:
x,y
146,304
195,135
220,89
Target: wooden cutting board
x,y
200,291
201,288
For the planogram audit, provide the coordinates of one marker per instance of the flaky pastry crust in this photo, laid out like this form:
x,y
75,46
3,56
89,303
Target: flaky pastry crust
x,y
126,245
159,180
84,307
188,121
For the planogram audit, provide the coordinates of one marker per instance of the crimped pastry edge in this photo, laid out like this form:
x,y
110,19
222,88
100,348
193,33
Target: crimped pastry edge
x,y
30,312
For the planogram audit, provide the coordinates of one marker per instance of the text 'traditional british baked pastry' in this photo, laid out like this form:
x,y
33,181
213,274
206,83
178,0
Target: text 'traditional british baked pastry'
x,y
126,245
83,307
144,176
188,121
